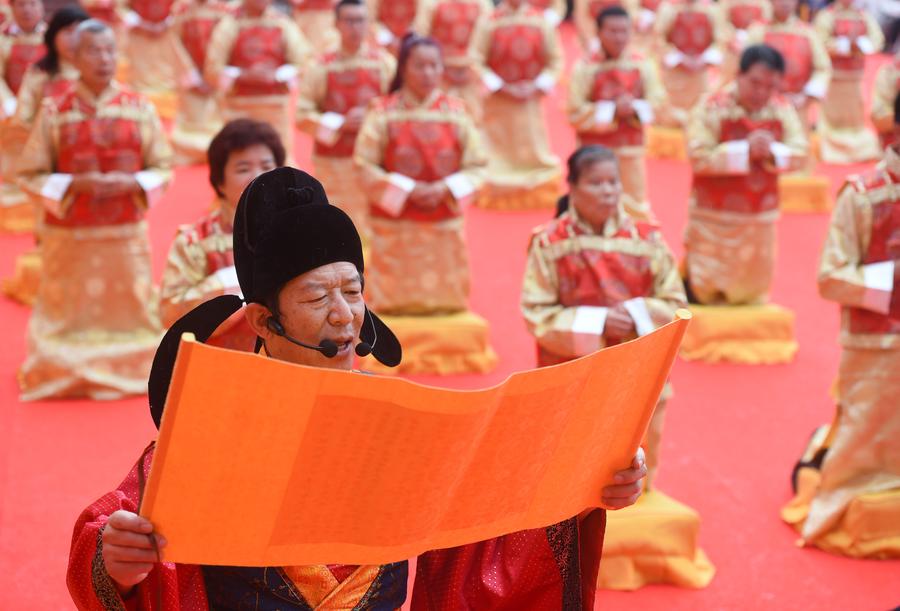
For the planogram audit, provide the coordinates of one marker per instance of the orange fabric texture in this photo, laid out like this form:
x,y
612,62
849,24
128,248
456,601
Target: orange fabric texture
x,y
666,143
804,193
752,335
23,284
266,463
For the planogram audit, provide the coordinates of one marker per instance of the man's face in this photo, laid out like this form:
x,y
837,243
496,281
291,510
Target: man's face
x,y
757,86
783,9
324,303
95,58
352,22
242,167
27,13
597,192
614,35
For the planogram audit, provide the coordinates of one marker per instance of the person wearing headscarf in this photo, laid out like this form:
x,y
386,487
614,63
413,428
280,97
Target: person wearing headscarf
x,y
847,484
850,33
255,58
198,117
332,103
614,95
518,55
807,66
451,23
422,162
200,265
299,266
316,20
692,34
740,139
21,45
96,159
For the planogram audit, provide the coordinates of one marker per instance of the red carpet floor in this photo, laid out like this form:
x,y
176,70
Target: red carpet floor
x,y
731,436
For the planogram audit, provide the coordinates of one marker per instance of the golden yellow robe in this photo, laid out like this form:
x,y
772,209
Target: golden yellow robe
x,y
317,24
418,267
95,327
460,77
686,87
570,331
317,116
730,242
863,458
589,115
887,85
817,84
522,172
843,133
14,206
276,109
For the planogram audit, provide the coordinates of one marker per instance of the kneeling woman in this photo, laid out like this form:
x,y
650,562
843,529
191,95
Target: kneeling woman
x,y
421,161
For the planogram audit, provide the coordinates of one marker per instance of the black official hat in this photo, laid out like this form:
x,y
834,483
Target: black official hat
x,y
283,227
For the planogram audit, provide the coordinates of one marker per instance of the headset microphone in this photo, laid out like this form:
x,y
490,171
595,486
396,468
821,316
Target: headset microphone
x,y
327,347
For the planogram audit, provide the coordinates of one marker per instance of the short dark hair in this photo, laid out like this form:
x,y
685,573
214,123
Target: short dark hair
x,y
762,54
610,12
897,109
61,19
407,45
343,3
238,135
586,156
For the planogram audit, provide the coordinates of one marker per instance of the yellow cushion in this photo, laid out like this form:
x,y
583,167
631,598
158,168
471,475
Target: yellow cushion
x,y
443,345
541,197
654,541
753,335
23,285
666,143
804,193
18,217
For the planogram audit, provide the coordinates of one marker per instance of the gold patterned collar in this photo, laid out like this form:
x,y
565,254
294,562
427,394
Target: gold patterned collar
x,y
95,100
613,224
410,101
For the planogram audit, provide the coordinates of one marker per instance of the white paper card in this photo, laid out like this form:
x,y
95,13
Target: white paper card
x,y
286,73
842,45
9,107
712,56
879,276
328,130
644,111
673,58
815,88
782,154
545,82
552,17
590,320
151,183
460,186
637,309
227,277
53,192
492,82
393,200
864,44
604,112
737,156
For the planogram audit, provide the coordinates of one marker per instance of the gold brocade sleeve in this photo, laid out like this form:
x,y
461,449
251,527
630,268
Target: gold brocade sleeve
x,y
36,164
310,97
707,154
480,43
665,19
579,108
368,154
824,24
841,274
473,164
668,286
654,91
821,74
30,95
185,283
585,24
794,138
553,55
158,156
296,48
424,17
885,91
873,31
6,93
219,51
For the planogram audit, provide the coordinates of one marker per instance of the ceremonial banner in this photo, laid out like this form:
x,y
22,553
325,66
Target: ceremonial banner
x,y
265,463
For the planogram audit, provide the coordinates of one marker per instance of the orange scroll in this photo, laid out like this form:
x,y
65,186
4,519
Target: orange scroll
x,y
265,463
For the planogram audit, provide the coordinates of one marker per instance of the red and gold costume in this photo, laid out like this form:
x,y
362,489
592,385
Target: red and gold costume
x,y
584,15
887,86
806,61
18,51
108,11
849,35
692,31
595,85
730,236
554,10
393,19
243,43
516,45
850,504
452,23
94,327
740,16
185,587
316,20
418,261
199,117
336,84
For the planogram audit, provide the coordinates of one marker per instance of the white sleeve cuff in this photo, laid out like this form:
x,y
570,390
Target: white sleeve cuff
x,y
492,82
228,76
460,186
712,56
545,82
552,17
673,58
604,112
644,111
384,36
132,19
741,37
53,192
151,183
879,282
737,156
328,130
286,73
815,88
646,18
593,45
191,79
9,107
589,320
227,277
396,193
842,45
865,45
637,309
782,154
